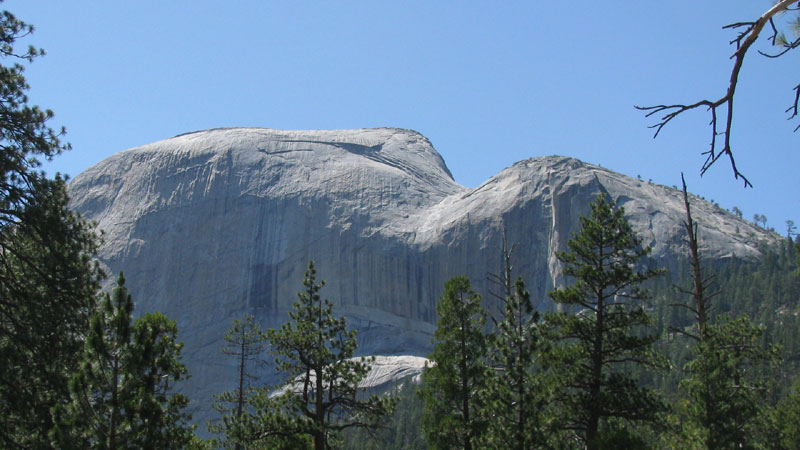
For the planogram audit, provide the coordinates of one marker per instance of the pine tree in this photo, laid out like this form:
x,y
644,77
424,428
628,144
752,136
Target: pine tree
x,y
723,399
121,397
48,281
454,386
320,394
787,418
797,250
607,332
517,395
246,342
402,431
162,422
48,284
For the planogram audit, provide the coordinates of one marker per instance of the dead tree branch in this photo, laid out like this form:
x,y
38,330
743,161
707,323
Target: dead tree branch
x,y
749,32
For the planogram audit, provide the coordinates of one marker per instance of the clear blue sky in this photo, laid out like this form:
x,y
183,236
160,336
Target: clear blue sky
x,y
490,83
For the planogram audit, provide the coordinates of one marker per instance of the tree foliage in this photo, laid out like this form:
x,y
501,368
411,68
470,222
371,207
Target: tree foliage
x,y
786,417
606,331
246,342
723,400
320,395
517,394
121,397
455,384
48,282
403,430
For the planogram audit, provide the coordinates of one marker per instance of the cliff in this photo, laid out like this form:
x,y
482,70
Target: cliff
x,y
210,225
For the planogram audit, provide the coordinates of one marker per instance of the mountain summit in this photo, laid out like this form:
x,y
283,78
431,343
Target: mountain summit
x,y
213,224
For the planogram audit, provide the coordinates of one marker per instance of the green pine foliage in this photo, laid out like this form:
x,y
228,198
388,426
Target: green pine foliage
x,y
606,331
245,341
122,397
455,385
48,282
401,432
797,249
156,358
766,291
517,393
320,396
786,420
724,396
722,405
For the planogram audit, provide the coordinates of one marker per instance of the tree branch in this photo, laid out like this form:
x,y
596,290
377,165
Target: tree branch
x,y
743,41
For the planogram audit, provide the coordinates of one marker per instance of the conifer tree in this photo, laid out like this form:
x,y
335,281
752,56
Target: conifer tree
x,y
320,394
797,249
121,396
48,282
516,394
48,285
605,331
455,385
246,342
162,422
787,418
724,401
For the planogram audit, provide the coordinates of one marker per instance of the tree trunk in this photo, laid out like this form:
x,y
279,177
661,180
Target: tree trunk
x,y
319,419
465,387
593,423
112,428
240,400
319,440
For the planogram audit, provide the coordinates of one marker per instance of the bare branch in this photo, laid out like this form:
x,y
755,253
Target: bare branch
x,y
777,38
748,27
773,39
746,37
683,333
793,108
683,305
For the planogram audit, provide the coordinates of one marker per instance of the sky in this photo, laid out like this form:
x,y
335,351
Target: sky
x,y
489,83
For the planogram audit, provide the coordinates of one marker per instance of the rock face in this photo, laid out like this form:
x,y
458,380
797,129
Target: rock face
x,y
384,374
210,225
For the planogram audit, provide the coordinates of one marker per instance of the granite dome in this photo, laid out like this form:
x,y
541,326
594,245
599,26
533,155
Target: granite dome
x,y
213,224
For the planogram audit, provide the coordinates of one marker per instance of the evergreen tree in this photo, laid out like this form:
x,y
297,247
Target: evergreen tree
x,y
596,395
797,250
121,397
403,428
787,418
723,401
314,353
48,282
245,341
454,386
161,423
516,394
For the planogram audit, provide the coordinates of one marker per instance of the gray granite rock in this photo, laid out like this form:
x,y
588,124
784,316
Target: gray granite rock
x,y
386,372
210,225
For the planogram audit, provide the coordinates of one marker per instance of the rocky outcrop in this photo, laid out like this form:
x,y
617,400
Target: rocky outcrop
x,y
213,224
386,372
